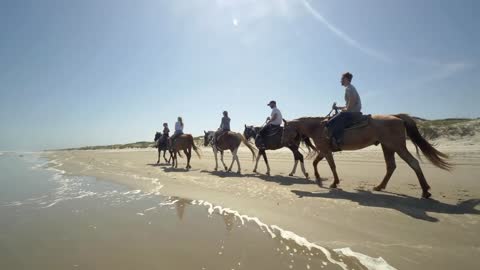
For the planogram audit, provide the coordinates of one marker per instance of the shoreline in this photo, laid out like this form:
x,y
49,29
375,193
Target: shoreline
x,y
396,225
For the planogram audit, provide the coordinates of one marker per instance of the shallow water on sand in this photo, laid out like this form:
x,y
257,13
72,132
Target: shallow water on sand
x,y
52,221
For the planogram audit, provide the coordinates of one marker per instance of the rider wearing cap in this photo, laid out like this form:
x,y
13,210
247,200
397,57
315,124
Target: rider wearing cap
x,y
273,123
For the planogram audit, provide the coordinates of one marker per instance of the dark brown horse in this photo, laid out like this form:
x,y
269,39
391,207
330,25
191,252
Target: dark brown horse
x,y
275,142
162,145
388,130
227,141
183,142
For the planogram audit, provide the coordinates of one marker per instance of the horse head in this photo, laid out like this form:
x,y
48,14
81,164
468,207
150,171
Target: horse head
x,y
249,132
207,138
157,136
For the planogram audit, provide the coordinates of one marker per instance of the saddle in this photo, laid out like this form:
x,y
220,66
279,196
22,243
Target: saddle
x,y
273,130
359,120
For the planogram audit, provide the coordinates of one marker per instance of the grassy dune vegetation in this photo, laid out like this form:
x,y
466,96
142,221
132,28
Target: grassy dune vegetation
x,y
451,128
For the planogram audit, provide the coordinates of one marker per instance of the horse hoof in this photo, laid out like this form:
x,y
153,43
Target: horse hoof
x,y
226,169
215,169
333,186
239,172
307,176
319,183
290,174
268,173
426,195
378,188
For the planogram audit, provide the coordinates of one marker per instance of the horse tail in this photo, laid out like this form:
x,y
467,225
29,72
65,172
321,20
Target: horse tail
x,y
195,147
437,158
250,146
312,150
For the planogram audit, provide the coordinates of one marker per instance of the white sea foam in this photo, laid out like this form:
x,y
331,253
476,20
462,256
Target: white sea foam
x,y
369,262
274,231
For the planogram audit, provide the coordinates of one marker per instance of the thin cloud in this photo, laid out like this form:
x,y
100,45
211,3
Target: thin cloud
x,y
444,71
440,70
350,41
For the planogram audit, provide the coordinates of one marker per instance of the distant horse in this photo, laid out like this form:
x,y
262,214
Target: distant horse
x,y
162,145
274,142
183,142
227,141
388,130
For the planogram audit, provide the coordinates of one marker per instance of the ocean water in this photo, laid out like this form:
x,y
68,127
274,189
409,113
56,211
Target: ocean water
x,y
52,221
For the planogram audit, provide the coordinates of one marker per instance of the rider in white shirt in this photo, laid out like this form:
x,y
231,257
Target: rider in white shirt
x,y
273,123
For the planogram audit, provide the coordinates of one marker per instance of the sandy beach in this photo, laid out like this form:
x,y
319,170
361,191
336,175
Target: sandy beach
x,y
408,232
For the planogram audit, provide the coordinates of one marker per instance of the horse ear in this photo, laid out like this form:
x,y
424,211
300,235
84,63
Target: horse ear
x,y
245,125
205,132
284,122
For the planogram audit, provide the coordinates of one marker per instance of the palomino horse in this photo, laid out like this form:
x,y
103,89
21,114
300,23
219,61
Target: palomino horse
x,y
227,141
273,143
162,145
183,142
388,130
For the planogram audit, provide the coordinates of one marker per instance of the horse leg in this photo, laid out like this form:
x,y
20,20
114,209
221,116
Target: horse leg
x,y
223,161
189,155
165,156
302,165
238,161
266,162
174,158
391,166
216,158
295,157
258,159
415,165
319,157
233,160
333,167
159,153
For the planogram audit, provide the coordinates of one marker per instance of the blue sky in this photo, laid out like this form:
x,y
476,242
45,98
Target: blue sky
x,y
88,72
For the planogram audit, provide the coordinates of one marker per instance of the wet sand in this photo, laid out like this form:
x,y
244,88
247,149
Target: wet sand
x,y
408,232
52,221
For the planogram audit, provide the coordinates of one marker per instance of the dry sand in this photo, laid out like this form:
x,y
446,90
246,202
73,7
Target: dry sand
x,y
408,232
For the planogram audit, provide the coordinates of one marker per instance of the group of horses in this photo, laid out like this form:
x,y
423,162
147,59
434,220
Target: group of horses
x,y
390,131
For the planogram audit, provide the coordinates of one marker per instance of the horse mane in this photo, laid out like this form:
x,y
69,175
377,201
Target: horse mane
x,y
310,121
310,118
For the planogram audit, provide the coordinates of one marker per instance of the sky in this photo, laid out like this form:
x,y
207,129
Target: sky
x,y
88,72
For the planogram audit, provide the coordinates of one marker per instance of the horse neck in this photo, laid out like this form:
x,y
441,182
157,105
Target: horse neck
x,y
309,126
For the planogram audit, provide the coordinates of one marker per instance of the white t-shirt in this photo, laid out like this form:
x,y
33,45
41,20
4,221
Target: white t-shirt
x,y
349,92
278,121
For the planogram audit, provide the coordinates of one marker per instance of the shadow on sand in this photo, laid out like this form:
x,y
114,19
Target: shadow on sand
x,y
282,180
411,206
159,165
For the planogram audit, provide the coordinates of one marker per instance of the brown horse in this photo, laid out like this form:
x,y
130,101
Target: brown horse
x,y
183,142
388,130
227,141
